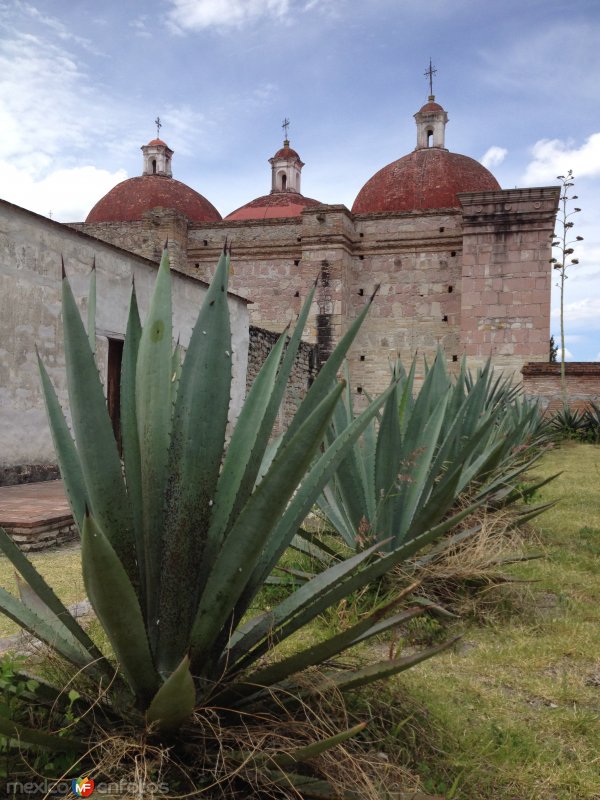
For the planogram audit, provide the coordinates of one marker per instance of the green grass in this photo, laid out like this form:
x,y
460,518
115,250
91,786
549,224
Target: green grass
x,y
514,712
61,567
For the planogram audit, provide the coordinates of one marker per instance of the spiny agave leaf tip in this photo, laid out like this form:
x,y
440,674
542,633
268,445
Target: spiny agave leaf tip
x,y
63,271
225,246
166,244
94,263
375,290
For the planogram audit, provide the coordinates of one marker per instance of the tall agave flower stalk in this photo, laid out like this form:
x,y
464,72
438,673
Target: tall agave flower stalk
x,y
181,533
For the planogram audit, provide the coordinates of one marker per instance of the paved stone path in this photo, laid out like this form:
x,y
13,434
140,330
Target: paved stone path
x,y
33,503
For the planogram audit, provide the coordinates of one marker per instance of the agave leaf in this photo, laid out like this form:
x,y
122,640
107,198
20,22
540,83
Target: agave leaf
x,y
350,479
91,326
335,510
303,500
324,590
244,441
253,638
243,546
350,680
153,415
414,491
263,450
309,788
129,434
196,450
99,457
176,366
527,516
387,453
24,736
371,625
302,754
68,457
327,374
41,589
174,701
117,607
55,635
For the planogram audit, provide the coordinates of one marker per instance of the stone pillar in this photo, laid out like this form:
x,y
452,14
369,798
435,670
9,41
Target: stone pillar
x,y
326,252
506,275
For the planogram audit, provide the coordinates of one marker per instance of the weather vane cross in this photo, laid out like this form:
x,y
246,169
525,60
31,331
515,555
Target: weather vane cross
x,y
158,124
285,125
429,73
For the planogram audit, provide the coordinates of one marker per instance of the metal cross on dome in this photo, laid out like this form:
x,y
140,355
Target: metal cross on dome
x,y
285,125
158,124
429,73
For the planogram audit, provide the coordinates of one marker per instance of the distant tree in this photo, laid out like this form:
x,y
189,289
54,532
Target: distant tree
x,y
553,351
562,242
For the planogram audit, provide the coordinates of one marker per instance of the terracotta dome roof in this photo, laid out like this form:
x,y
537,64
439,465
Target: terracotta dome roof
x,y
129,200
427,178
271,206
286,152
430,107
154,142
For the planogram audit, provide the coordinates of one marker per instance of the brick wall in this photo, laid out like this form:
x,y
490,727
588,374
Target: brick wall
x,y
303,372
542,380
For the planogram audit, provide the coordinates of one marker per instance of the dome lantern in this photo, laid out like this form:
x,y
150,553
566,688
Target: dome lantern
x,y
431,122
157,158
285,169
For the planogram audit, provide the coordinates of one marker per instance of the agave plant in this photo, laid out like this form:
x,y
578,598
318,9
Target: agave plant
x,y
592,422
180,534
568,423
406,473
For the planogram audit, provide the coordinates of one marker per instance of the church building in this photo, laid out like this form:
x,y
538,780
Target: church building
x,y
459,262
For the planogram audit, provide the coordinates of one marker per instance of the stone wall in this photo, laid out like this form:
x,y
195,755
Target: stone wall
x,y
146,238
506,280
303,372
31,247
542,380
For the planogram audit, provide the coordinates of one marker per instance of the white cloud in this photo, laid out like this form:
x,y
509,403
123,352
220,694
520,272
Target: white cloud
x,y
67,194
194,15
568,354
140,27
552,157
586,310
493,156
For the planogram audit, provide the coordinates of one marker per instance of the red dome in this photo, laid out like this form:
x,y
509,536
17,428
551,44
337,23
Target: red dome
x,y
153,142
430,107
129,200
428,178
274,205
286,152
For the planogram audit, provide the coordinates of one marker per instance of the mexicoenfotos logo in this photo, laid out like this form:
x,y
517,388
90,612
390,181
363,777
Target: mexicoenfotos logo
x,y
82,787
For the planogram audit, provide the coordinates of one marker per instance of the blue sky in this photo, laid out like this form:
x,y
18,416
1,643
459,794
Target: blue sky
x,y
81,83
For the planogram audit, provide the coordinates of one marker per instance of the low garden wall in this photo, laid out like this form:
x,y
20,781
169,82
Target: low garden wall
x,y
542,380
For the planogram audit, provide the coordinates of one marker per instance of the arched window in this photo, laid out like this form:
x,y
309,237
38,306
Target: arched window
x,y
154,166
429,137
283,181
